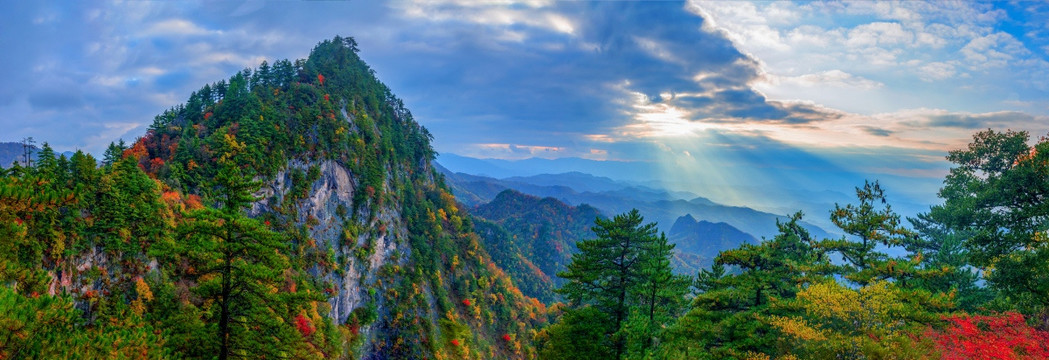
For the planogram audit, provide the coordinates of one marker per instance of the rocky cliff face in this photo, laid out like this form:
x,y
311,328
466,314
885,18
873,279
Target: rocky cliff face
x,y
333,190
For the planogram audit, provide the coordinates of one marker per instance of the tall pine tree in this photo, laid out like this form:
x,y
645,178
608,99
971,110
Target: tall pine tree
x,y
607,270
872,223
238,267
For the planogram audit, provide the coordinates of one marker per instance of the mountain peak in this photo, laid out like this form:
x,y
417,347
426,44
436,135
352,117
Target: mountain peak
x,y
685,220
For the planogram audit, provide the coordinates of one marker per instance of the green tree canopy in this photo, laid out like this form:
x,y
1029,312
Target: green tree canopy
x,y
996,197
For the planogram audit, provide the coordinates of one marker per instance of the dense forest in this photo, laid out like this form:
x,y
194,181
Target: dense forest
x,y
293,211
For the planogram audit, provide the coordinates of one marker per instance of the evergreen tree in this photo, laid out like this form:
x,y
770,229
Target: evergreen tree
x,y
82,169
661,295
947,262
46,164
114,153
607,270
578,336
237,263
728,317
34,326
995,198
873,223
126,209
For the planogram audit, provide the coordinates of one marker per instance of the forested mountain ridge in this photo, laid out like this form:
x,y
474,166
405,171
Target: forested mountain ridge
x,y
706,239
10,152
533,238
290,211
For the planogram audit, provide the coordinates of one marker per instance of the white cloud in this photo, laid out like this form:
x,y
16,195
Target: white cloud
x,y
503,13
177,27
937,71
878,33
994,50
909,47
831,78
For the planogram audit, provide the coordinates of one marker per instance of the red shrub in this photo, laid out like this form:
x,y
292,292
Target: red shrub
x,y
156,164
193,202
466,302
304,325
455,342
506,337
1004,336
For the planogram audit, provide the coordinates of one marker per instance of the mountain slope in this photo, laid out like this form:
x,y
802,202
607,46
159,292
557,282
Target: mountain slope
x,y
375,258
533,238
11,152
347,176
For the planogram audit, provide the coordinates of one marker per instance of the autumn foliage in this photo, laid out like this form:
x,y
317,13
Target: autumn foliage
x,y
304,325
1005,336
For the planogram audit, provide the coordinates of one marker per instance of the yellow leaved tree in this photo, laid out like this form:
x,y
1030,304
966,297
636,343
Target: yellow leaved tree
x,y
876,321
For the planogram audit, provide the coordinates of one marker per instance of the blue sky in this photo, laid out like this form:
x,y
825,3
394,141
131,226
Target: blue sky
x,y
876,88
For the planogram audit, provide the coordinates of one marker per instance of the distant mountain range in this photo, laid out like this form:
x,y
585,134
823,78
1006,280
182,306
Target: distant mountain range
x,y
613,197
795,181
533,238
499,168
12,151
705,240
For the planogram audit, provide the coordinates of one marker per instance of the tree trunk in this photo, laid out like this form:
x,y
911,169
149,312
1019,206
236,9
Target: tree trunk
x,y
227,272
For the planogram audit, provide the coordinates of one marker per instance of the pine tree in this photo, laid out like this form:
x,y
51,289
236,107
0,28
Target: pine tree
x,y
46,164
728,316
873,223
607,270
126,208
661,294
82,169
947,262
237,264
114,153
995,198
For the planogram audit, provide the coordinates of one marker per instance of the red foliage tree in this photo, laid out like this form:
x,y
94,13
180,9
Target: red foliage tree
x,y
466,302
304,325
156,164
455,342
1004,336
138,150
506,337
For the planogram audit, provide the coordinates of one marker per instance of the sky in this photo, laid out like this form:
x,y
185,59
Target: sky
x,y
713,92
